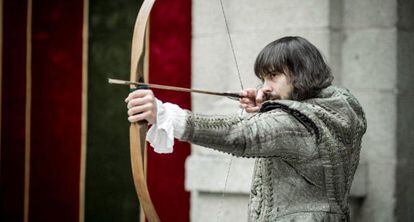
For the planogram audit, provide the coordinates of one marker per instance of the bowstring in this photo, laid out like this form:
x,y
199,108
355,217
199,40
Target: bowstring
x,y
241,112
231,43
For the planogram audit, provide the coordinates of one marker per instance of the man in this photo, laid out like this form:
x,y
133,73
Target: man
x,y
304,133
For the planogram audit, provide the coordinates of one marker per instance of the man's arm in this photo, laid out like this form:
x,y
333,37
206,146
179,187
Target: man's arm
x,y
274,133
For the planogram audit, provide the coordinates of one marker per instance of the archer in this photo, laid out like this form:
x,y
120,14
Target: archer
x,y
304,133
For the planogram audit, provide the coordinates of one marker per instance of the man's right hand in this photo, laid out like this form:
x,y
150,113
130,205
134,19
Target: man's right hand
x,y
248,102
254,98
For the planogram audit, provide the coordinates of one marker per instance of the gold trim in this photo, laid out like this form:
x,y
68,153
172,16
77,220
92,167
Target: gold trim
x,y
85,37
28,110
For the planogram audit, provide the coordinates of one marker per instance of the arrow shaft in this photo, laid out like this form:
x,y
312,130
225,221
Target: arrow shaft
x,y
175,88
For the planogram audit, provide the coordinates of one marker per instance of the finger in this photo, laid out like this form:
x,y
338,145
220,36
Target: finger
x,y
243,106
252,109
248,101
139,109
138,94
138,117
249,107
260,96
140,101
242,101
249,93
246,105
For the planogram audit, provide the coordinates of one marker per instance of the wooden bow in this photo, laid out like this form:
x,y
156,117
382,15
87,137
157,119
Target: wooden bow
x,y
138,131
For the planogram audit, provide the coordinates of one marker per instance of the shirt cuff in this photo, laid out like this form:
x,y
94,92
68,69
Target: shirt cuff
x,y
170,123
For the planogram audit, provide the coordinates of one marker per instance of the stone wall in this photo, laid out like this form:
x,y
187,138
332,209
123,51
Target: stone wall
x,y
368,58
405,115
368,44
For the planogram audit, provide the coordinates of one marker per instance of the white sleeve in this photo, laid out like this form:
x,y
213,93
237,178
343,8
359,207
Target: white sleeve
x,y
170,123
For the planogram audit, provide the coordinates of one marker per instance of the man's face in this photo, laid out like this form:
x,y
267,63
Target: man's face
x,y
276,86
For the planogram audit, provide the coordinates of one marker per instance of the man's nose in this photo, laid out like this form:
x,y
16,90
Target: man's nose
x,y
266,87
263,93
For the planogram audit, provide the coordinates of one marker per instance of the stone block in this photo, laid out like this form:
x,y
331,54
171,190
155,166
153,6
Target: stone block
x,y
207,18
405,14
200,150
205,104
378,144
369,59
208,174
209,207
405,127
245,16
335,55
213,63
379,203
369,13
405,156
336,11
405,61
253,43
404,186
359,187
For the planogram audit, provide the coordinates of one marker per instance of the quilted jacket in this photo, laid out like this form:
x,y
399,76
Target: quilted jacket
x,y
306,153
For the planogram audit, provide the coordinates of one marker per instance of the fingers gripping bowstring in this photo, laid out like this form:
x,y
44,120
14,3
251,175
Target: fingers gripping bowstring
x,y
241,113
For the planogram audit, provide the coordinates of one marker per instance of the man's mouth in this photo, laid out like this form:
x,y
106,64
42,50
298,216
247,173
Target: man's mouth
x,y
272,96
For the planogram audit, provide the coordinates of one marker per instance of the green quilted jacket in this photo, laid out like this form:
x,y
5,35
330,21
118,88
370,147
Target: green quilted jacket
x,y
306,153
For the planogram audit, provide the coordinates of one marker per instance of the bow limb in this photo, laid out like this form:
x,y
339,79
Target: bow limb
x,y
138,131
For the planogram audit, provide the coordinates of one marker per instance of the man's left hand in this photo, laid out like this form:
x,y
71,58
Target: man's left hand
x,y
142,105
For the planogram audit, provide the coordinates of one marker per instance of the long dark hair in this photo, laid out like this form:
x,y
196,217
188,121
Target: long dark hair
x,y
300,60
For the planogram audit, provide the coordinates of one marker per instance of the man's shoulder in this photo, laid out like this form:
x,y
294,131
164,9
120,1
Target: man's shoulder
x,y
334,107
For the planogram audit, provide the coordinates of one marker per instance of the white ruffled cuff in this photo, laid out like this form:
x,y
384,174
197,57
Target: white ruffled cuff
x,y
170,123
